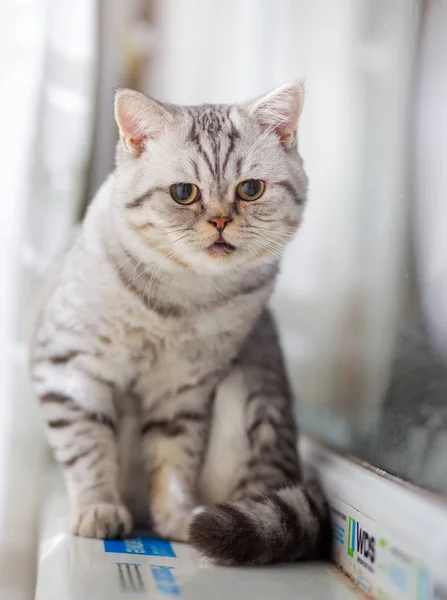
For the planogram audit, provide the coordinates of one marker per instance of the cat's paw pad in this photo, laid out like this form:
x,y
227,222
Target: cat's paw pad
x,y
101,521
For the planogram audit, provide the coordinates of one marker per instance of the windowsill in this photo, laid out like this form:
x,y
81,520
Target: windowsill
x,y
80,569
397,534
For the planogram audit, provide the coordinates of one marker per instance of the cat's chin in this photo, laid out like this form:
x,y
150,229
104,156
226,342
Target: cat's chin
x,y
221,249
213,260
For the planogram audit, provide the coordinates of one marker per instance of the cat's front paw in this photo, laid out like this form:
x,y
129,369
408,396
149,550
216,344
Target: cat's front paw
x,y
172,525
101,521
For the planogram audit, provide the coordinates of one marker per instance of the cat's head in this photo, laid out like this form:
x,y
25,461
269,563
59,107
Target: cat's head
x,y
210,187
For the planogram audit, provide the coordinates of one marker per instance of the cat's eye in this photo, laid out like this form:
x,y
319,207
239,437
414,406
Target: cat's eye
x,y
185,193
251,189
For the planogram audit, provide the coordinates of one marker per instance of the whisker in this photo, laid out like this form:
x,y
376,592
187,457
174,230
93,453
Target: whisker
x,y
270,248
167,243
258,150
120,266
257,259
155,277
269,231
178,240
136,277
266,133
180,230
156,274
273,244
265,237
280,244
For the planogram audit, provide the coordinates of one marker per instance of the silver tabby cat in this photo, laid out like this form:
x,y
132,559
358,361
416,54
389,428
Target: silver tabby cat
x,y
155,329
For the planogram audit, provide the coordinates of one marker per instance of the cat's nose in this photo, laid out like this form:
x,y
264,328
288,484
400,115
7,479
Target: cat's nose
x,y
220,222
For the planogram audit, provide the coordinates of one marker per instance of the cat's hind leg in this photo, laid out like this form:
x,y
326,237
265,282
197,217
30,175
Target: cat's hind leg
x,y
264,512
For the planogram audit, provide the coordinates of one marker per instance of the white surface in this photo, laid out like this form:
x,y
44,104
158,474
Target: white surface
x,y
78,569
47,59
21,59
408,529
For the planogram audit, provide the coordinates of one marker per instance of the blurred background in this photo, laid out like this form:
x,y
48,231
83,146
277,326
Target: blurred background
x,y
363,290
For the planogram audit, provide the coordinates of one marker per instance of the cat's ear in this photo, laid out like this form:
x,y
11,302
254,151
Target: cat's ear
x,y
280,110
139,118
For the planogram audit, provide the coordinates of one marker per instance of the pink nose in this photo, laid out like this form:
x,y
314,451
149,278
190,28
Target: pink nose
x,y
220,222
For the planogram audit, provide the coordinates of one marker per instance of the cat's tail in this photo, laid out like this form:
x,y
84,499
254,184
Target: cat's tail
x,y
285,525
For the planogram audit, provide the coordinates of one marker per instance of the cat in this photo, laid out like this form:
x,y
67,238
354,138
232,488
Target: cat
x,y
409,439
157,316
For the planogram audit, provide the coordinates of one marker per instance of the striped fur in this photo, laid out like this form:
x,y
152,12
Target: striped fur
x,y
151,335
283,525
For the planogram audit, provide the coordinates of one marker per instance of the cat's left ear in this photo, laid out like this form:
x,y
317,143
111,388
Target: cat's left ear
x,y
280,110
139,119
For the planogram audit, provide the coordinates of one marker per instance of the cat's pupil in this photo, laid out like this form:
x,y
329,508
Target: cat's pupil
x,y
183,190
251,187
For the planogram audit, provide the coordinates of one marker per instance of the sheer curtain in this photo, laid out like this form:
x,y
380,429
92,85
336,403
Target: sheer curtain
x,y
48,69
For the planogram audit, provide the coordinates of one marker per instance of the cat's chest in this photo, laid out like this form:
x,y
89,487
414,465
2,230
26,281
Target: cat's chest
x,y
168,349
188,350
191,341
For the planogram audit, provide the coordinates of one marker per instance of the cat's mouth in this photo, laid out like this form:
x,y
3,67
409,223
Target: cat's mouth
x,y
220,247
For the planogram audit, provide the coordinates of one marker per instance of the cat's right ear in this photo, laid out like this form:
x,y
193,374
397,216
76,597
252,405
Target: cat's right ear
x,y
139,118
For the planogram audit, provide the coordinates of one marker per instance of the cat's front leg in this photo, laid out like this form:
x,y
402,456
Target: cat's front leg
x,y
84,443
175,431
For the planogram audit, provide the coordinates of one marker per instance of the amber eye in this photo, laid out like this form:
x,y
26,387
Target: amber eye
x,y
185,193
249,190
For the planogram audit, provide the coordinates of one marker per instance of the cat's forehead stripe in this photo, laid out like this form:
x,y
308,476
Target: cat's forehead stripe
x,y
195,166
194,138
211,126
233,135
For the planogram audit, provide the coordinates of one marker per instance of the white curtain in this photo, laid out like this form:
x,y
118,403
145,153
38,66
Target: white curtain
x,y
48,66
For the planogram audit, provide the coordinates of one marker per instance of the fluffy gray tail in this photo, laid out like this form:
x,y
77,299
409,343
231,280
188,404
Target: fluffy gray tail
x,y
285,525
